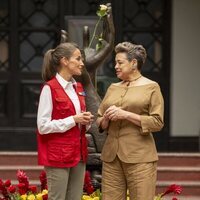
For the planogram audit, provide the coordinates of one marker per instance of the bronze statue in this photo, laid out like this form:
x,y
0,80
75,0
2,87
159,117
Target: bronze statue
x,y
93,59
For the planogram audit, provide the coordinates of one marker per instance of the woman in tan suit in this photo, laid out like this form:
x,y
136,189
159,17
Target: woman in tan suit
x,y
130,111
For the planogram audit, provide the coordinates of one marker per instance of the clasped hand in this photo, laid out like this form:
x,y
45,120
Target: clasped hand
x,y
114,113
84,118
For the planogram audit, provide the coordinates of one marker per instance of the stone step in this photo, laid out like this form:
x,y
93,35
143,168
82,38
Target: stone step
x,y
165,159
164,173
179,159
171,173
9,172
18,158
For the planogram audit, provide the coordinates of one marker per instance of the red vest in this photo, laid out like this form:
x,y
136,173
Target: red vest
x,y
63,149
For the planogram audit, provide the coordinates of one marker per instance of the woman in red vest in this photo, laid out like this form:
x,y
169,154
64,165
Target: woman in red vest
x,y
62,119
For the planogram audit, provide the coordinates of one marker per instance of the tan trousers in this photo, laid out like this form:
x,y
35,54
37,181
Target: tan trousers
x,y
139,179
65,183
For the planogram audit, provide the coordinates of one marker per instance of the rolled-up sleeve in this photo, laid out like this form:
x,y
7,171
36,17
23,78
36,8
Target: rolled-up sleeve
x,y
45,123
153,122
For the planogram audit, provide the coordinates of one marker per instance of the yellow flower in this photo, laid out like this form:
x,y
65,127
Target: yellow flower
x,y
39,196
31,197
44,191
93,195
24,196
96,198
86,197
90,197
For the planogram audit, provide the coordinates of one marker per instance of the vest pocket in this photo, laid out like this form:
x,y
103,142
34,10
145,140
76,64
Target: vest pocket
x,y
62,106
62,153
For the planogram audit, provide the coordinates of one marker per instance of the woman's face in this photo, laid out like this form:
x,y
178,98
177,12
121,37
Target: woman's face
x,y
123,67
75,63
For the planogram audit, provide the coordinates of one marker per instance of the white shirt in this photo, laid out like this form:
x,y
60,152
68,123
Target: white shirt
x,y
44,122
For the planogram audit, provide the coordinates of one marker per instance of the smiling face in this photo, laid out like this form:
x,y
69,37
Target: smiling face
x,y
74,65
123,67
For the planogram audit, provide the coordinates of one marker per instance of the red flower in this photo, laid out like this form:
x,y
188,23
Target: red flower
x,y
176,189
45,196
88,187
3,189
22,178
1,184
87,177
33,189
21,175
21,185
12,189
9,191
43,180
22,188
7,183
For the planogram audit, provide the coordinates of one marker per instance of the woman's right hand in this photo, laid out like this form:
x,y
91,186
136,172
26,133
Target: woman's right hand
x,y
84,118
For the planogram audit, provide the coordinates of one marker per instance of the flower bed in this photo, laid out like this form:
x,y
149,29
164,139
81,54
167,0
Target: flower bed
x,y
24,191
90,194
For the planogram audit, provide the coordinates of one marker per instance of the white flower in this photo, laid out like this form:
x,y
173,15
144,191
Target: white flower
x,y
103,7
101,12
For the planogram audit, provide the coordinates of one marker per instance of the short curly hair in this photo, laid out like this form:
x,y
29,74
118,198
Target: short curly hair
x,y
132,51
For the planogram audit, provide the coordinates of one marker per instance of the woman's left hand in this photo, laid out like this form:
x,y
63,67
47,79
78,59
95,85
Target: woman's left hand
x,y
114,113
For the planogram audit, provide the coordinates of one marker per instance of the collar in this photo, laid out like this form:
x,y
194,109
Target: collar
x,y
65,83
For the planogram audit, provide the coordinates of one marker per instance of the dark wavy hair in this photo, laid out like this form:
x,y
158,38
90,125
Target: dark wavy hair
x,y
132,51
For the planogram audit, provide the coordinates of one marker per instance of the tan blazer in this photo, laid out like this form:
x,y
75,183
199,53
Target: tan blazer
x,y
133,144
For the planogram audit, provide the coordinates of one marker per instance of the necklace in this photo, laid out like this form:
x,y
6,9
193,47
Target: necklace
x,y
135,79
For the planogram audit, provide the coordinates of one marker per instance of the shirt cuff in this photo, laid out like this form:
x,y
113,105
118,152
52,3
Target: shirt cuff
x,y
69,121
144,125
